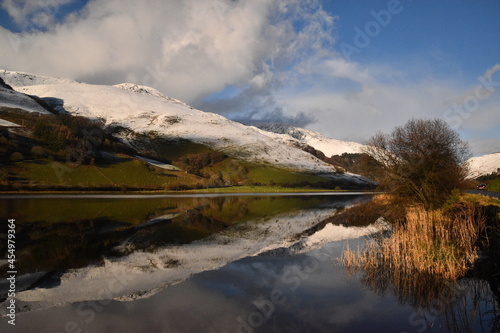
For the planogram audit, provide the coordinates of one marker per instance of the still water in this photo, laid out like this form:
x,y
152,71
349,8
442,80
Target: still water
x,y
240,263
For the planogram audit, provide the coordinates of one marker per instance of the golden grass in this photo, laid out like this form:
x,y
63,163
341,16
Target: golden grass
x,y
382,199
480,199
427,242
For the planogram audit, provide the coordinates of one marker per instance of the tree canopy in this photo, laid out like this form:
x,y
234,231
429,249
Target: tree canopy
x,y
423,160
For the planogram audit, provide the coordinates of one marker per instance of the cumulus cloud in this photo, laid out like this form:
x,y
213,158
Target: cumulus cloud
x,y
187,49
290,56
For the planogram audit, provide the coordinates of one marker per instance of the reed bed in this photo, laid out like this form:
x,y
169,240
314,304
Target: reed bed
x,y
426,242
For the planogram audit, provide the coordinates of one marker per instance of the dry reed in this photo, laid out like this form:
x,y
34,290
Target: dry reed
x,y
427,242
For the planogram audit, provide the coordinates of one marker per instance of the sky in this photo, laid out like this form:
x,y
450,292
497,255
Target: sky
x,y
347,69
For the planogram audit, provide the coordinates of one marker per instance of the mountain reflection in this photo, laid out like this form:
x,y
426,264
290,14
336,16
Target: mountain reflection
x,y
67,233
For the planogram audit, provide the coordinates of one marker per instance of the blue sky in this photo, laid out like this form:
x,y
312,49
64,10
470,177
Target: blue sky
x,y
452,38
17,16
347,69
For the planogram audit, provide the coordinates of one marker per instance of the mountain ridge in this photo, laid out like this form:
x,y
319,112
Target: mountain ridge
x,y
147,111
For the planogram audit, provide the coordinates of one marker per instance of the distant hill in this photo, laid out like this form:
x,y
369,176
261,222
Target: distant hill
x,y
484,165
318,141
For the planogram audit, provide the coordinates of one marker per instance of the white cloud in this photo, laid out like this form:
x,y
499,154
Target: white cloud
x,y
484,147
354,101
340,68
186,49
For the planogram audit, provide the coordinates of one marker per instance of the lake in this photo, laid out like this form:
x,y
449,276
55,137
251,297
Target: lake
x,y
216,263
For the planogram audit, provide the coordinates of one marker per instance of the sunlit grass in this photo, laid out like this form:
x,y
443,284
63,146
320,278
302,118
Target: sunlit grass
x,y
494,185
427,242
127,173
479,199
131,173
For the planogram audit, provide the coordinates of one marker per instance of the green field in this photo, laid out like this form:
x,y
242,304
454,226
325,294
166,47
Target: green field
x,y
130,174
126,173
494,185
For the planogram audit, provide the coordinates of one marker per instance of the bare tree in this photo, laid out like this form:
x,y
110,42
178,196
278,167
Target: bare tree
x,y
424,160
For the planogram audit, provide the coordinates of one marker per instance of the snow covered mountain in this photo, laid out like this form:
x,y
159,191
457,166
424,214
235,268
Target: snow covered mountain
x,y
316,140
484,165
146,110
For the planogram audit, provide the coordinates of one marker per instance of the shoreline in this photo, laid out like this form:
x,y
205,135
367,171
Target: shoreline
x,y
212,191
169,195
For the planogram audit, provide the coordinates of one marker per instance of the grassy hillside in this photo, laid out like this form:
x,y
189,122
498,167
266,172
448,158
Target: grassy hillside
x,y
129,173
126,173
62,152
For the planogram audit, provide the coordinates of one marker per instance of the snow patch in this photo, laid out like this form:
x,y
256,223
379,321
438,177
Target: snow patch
x,y
159,164
6,123
15,100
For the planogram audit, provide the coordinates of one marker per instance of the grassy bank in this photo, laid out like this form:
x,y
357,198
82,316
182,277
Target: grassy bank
x,y
494,185
260,189
126,173
443,242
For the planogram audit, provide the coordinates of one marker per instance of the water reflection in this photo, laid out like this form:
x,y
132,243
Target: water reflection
x,y
270,292
300,293
64,233
470,304
314,296
151,242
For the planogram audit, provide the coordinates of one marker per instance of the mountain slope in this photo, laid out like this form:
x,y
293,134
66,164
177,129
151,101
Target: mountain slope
x,y
147,111
316,140
11,99
484,165
143,113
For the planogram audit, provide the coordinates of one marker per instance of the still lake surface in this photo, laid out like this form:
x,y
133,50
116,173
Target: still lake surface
x,y
215,263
